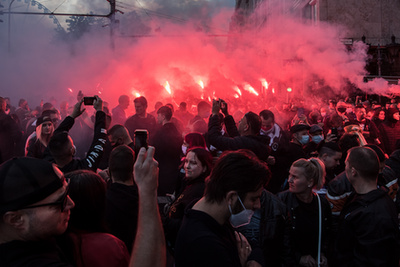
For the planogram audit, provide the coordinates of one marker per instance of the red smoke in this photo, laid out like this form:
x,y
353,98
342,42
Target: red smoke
x,y
251,67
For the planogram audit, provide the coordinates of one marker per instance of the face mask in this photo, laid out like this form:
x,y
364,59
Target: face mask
x,y
265,131
184,149
242,218
317,138
304,139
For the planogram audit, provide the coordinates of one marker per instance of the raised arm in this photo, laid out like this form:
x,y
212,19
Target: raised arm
x,y
149,248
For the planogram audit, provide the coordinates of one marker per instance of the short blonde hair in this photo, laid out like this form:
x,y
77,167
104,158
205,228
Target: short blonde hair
x,y
314,169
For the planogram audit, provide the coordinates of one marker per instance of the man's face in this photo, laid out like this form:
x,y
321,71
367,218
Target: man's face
x,y
160,118
3,105
140,109
55,118
266,124
71,146
332,161
360,114
48,221
24,105
125,103
205,112
250,202
301,133
323,112
115,141
347,169
242,125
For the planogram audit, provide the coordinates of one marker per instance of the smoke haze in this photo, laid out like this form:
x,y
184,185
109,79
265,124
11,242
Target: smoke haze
x,y
185,43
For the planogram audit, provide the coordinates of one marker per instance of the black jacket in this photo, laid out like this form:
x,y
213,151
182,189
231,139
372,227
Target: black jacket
x,y
93,156
32,253
168,146
368,231
292,205
266,230
256,143
10,135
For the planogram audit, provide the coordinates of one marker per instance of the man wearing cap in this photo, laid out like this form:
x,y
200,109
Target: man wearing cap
x,y
316,138
300,138
34,208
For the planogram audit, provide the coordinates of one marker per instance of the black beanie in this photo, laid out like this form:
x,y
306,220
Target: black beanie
x,y
42,119
25,181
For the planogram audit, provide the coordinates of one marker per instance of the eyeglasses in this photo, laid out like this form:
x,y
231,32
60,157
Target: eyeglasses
x,y
62,202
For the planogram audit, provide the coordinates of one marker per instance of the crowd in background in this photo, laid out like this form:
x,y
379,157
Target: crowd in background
x,y
299,220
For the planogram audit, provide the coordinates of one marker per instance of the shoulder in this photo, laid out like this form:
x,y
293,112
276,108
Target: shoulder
x,y
150,117
285,196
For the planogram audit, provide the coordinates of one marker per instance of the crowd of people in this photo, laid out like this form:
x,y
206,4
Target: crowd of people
x,y
291,185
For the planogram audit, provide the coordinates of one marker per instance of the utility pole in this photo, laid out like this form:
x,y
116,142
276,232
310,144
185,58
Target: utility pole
x,y
112,22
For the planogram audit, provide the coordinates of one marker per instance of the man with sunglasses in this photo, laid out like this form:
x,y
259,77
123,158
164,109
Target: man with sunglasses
x,y
34,209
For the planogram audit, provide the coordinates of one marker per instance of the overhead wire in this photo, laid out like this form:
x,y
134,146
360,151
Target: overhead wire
x,y
149,12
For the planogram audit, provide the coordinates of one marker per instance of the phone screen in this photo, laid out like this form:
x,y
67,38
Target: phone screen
x,y
141,139
88,101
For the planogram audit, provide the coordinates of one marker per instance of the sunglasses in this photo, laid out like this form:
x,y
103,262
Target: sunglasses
x,y
61,203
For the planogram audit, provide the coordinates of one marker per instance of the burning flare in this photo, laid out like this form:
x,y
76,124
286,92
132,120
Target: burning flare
x,y
264,83
167,87
201,84
237,90
250,89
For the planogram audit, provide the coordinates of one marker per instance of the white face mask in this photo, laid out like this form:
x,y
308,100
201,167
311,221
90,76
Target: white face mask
x,y
242,218
184,149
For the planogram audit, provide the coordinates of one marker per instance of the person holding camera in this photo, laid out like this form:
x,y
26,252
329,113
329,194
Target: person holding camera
x,y
246,136
61,145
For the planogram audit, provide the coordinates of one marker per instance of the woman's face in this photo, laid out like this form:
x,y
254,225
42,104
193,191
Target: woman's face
x,y
381,115
47,127
193,167
298,183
